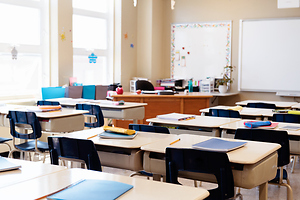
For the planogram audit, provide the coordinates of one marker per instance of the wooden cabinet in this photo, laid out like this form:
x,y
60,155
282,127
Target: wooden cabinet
x,y
163,104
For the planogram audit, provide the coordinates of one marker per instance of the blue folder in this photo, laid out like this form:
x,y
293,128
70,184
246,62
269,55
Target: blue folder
x,y
219,145
53,92
89,92
92,190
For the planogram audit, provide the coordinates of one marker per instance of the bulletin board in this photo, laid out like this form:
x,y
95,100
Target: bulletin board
x,y
200,50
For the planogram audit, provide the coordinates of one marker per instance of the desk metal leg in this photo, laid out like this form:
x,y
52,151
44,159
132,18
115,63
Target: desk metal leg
x,y
135,121
216,132
263,191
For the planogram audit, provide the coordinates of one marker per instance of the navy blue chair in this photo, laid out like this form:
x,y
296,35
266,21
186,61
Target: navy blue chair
x,y
48,103
147,128
294,141
95,111
27,121
224,113
193,160
261,105
272,136
74,150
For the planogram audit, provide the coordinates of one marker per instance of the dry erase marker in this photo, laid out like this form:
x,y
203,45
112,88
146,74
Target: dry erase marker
x,y
175,141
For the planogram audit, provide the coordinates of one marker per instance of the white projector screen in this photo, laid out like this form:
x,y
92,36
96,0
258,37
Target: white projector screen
x,y
269,55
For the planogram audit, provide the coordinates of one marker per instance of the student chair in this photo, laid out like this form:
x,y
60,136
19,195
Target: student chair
x,y
48,103
294,141
261,105
272,136
144,85
74,150
224,113
194,160
27,121
147,128
95,112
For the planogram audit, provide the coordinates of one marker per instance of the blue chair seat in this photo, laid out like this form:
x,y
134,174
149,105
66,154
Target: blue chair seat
x,y
276,179
29,146
2,140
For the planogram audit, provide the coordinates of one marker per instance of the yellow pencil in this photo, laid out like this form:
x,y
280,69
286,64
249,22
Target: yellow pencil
x,y
92,136
175,141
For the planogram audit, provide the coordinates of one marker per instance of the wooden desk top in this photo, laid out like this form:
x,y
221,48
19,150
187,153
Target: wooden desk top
x,y
251,153
245,111
141,139
142,188
199,121
279,104
52,114
101,103
281,125
180,95
296,106
29,170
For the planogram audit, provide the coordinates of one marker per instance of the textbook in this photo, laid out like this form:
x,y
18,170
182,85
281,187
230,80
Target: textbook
x,y
92,190
123,131
176,116
111,135
6,165
219,145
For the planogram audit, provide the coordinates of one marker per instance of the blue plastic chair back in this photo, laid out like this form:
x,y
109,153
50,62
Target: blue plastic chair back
x,y
224,113
79,149
53,92
194,160
29,118
148,128
93,110
289,118
261,105
48,103
89,92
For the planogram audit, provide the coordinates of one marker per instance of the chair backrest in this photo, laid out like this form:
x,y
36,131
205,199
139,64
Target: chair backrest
x,y
272,136
148,128
194,160
53,92
144,85
261,105
77,149
89,92
52,103
93,110
24,118
289,118
224,113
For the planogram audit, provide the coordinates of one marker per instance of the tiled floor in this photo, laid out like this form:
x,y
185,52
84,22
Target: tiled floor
x,y
274,192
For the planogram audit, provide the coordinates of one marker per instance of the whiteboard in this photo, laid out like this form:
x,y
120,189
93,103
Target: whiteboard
x,y
200,50
269,55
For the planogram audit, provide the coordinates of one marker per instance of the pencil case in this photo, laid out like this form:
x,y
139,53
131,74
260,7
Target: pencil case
x,y
251,124
118,130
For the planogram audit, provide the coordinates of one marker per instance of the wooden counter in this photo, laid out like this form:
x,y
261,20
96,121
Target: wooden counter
x,y
162,104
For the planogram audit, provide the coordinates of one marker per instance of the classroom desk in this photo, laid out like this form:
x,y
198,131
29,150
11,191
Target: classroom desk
x,y
128,111
296,106
142,188
161,104
201,123
120,153
66,120
279,104
250,113
253,165
294,135
29,170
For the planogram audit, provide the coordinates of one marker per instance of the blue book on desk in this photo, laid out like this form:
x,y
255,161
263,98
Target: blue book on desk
x,y
219,145
6,165
92,190
112,135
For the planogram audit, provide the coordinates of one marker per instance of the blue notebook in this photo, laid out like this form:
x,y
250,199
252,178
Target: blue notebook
x,y
219,145
6,165
92,190
112,135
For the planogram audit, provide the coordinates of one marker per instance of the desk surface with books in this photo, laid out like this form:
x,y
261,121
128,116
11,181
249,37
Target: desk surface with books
x,y
210,124
253,164
161,104
278,104
120,153
127,111
44,184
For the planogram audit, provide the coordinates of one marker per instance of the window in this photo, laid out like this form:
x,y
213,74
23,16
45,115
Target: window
x,y
24,27
93,33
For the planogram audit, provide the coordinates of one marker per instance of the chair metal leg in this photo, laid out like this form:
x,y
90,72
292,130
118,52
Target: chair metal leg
x,y
293,163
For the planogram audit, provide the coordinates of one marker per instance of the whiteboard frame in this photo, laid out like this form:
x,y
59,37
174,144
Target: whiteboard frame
x,y
240,53
172,52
